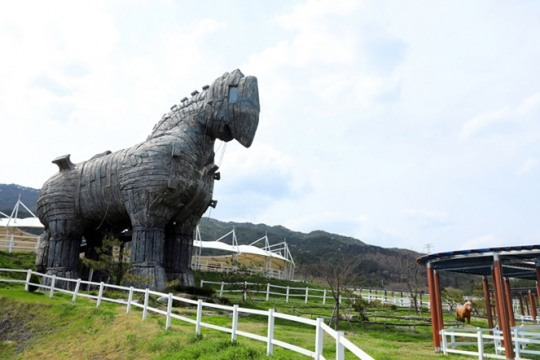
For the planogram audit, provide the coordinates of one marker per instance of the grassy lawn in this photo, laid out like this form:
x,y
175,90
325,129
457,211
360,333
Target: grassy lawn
x,y
32,326
35,326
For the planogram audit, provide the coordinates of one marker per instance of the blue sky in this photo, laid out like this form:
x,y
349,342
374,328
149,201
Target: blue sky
x,y
398,123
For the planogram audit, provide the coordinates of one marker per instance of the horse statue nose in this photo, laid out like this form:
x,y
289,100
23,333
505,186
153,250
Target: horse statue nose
x,y
246,109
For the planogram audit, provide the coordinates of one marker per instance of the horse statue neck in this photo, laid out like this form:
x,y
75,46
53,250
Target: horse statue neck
x,y
187,114
228,109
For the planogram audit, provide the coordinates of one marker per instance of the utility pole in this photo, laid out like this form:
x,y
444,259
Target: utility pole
x,y
428,248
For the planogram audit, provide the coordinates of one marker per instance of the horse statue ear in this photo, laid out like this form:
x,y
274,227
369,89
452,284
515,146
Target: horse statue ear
x,y
64,163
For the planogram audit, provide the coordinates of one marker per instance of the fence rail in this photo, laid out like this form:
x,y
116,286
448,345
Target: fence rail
x,y
14,242
402,299
320,328
488,342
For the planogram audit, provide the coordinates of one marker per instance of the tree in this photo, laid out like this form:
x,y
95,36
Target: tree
x,y
410,273
453,297
338,272
106,262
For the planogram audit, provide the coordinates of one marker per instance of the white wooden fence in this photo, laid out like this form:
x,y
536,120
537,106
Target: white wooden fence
x,y
321,328
402,299
15,242
487,343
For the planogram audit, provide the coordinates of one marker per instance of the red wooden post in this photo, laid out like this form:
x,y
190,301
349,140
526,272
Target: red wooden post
x,y
487,301
538,291
509,307
433,309
439,301
538,280
532,305
503,316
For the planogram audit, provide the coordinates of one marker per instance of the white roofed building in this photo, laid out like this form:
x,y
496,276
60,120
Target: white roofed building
x,y
273,261
13,233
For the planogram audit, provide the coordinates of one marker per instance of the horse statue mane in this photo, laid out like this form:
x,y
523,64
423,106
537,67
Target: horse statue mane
x,y
158,189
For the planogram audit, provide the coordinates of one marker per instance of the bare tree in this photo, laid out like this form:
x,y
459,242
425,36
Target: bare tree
x,y
338,272
411,274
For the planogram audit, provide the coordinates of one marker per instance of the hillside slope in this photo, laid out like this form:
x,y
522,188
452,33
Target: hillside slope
x,y
36,327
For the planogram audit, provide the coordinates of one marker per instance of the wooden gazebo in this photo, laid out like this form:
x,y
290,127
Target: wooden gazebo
x,y
501,264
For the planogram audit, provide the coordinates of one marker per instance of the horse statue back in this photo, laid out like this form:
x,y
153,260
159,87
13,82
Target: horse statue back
x,y
157,189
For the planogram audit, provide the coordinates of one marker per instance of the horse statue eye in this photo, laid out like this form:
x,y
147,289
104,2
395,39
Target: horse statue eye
x,y
233,94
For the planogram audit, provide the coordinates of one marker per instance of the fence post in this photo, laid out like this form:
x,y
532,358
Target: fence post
x,y
27,283
234,322
287,295
267,291
324,297
11,244
516,341
307,295
202,282
443,343
199,317
51,291
221,289
480,344
340,349
319,336
77,286
100,294
130,299
269,345
169,310
145,306
90,277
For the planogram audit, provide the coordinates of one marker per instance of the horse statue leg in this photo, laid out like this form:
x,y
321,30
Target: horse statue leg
x,y
63,251
178,251
147,257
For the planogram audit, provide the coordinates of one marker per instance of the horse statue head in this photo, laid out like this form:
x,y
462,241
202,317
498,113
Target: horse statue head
x,y
228,109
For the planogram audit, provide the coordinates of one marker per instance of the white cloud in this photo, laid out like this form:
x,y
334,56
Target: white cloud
x,y
522,117
484,121
484,241
428,218
334,221
528,165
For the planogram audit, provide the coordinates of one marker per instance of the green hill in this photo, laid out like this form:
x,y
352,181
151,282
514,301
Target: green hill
x,y
9,194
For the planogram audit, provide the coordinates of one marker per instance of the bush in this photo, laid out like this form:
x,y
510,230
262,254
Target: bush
x,y
35,280
175,287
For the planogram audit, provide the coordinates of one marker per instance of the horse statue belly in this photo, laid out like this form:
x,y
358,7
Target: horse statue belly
x,y
159,189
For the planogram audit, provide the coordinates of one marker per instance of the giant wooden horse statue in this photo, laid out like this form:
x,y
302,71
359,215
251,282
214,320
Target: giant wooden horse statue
x,y
159,189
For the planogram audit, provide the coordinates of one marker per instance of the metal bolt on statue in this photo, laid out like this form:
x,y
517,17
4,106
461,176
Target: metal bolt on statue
x,y
159,189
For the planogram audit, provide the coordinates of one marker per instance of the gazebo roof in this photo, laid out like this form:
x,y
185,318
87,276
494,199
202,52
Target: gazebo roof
x,y
517,261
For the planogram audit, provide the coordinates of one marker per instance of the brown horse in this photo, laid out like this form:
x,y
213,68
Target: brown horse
x,y
464,312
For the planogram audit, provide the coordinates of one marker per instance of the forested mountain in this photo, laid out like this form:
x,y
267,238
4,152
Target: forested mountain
x,y
380,267
9,193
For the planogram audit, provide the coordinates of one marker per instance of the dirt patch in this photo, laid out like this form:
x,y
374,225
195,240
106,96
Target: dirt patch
x,y
18,324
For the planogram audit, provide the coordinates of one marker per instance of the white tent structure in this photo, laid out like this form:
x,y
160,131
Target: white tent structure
x,y
12,234
274,261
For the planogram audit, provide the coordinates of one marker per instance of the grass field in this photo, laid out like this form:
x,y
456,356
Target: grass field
x,y
34,326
